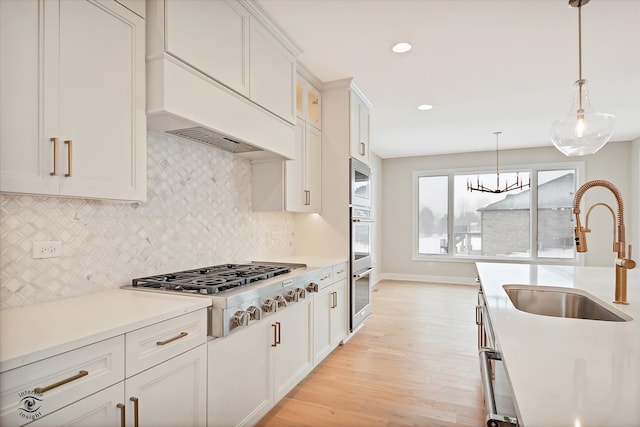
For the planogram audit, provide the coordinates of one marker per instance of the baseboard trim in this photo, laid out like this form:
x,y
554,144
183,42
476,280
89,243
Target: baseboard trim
x,y
452,280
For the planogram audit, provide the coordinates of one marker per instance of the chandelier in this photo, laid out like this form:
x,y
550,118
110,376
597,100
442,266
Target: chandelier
x,y
518,185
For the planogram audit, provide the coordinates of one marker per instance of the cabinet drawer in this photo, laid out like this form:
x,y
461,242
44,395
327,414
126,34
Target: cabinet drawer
x,y
35,390
325,278
154,344
340,271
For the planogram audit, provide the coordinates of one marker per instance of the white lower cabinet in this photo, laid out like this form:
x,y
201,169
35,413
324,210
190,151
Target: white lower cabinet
x,y
292,355
239,383
330,314
253,368
173,393
87,386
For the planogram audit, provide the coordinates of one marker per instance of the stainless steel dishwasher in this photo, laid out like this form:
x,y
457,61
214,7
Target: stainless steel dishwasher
x,y
498,401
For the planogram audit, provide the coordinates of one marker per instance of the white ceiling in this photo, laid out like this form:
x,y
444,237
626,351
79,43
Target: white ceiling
x,y
485,65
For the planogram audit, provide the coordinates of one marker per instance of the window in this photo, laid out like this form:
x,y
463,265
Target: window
x,y
528,223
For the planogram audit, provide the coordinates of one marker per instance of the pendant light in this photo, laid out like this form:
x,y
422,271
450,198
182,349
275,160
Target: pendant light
x,y
582,131
518,185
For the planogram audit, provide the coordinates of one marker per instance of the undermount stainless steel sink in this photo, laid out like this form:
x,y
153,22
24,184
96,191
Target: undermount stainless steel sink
x,y
561,302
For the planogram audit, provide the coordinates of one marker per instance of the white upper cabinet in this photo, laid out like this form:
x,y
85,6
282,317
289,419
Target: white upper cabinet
x,y
72,109
304,175
308,103
213,37
272,73
359,120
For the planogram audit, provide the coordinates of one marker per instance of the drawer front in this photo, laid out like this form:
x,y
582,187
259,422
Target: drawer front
x,y
325,279
35,390
340,271
156,343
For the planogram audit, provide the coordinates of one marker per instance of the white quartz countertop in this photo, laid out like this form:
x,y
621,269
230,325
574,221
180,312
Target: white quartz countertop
x,y
311,261
34,332
567,372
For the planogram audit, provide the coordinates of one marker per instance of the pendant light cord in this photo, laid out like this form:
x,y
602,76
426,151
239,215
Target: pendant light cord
x,y
580,81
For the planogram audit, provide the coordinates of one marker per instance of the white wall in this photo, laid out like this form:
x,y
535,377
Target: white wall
x,y
612,163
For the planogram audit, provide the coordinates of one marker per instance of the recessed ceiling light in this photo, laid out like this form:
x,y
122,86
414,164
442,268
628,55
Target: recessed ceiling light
x,y
402,47
425,107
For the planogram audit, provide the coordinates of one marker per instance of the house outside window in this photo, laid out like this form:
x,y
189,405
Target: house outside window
x,y
531,223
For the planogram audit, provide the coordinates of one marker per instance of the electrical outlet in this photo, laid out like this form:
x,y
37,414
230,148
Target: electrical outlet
x,y
47,249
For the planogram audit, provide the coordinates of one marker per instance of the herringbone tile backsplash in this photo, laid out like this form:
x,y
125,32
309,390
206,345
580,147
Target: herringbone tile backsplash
x,y
198,213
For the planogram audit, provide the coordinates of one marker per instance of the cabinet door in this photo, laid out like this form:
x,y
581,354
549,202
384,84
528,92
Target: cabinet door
x,y
295,187
292,357
240,388
212,37
339,312
359,124
313,169
26,155
321,324
101,101
173,393
272,73
97,410
314,107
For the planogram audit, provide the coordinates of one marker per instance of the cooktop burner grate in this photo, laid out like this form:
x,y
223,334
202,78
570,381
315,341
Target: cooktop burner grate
x,y
213,279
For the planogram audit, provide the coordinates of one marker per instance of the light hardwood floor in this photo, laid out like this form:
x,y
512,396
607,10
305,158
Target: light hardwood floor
x,y
414,363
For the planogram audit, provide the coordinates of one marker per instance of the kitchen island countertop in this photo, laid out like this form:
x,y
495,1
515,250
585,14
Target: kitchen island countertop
x,y
35,332
567,372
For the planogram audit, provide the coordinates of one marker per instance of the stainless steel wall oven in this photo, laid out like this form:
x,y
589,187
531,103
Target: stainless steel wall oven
x,y
361,246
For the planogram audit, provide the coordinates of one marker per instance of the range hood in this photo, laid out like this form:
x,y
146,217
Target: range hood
x,y
185,104
214,139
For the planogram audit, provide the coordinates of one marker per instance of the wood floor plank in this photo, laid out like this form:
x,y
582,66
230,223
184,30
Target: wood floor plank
x,y
413,363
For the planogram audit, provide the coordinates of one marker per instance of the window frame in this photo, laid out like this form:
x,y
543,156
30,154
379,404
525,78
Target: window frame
x,y
533,170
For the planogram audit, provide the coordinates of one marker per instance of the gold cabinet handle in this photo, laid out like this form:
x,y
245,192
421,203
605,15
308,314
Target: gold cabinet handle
x,y
122,417
55,156
135,410
182,335
62,382
279,330
69,144
307,197
275,335
362,148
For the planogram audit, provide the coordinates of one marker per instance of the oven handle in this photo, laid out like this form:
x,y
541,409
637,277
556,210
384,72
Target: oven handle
x,y
361,275
493,419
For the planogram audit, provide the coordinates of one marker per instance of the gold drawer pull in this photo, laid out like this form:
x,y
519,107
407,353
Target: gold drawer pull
x,y
182,335
55,156
123,419
69,158
59,383
135,411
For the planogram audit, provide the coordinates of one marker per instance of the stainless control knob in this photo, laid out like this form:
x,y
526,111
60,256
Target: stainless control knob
x,y
291,296
301,293
254,313
269,306
312,287
282,302
240,318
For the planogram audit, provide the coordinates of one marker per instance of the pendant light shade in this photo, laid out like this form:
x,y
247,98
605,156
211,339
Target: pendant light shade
x,y
582,131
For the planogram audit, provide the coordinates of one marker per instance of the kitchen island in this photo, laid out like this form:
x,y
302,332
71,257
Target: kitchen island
x,y
564,371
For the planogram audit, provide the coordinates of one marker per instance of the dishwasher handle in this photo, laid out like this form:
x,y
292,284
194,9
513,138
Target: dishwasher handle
x,y
493,419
